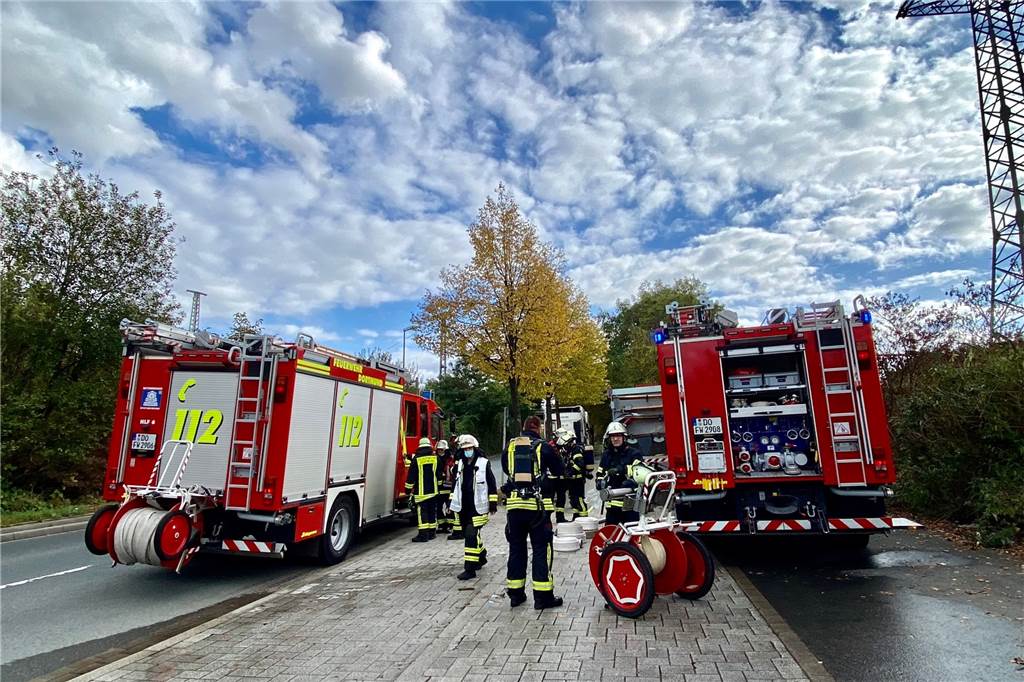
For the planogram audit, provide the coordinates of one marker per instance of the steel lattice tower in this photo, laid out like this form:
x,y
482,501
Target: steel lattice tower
x,y
193,318
997,25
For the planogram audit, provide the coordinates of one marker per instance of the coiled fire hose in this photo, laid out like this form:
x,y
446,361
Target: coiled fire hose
x,y
133,536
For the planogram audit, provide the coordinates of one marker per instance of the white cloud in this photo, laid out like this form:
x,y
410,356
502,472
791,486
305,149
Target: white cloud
x,y
776,155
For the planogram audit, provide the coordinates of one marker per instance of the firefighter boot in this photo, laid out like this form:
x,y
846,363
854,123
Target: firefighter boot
x,y
456,535
483,557
560,517
517,596
545,600
422,536
467,574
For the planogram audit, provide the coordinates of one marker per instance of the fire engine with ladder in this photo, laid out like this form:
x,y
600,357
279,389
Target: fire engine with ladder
x,y
251,445
778,428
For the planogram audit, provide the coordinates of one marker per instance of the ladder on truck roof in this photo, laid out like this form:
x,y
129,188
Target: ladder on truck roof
x,y
847,422
254,406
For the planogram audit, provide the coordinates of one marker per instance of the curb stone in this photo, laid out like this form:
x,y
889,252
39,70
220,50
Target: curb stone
x,y
24,531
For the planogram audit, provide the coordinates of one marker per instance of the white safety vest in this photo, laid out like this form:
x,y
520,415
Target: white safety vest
x,y
479,490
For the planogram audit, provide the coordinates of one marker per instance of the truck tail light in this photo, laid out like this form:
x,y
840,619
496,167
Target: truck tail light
x,y
863,355
670,370
280,389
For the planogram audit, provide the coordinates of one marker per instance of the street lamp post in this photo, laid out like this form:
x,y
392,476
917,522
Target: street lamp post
x,y
407,329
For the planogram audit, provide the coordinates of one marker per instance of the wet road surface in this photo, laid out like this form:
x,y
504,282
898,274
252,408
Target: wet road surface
x,y
912,606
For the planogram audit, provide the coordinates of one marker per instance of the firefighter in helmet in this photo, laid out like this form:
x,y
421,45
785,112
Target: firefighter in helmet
x,y
421,483
573,480
474,497
445,480
615,471
528,463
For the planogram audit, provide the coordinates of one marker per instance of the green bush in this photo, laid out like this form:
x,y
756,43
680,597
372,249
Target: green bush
x,y
956,421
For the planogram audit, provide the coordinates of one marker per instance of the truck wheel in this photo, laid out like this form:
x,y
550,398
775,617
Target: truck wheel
x,y
341,530
701,568
96,529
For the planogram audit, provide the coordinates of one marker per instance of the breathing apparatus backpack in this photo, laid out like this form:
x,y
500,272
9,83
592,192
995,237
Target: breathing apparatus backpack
x,y
524,462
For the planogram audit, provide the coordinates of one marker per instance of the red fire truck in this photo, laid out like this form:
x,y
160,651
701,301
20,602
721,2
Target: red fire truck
x,y
253,445
777,428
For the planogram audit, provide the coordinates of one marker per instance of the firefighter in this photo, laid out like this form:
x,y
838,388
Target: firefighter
x,y
615,471
474,497
573,480
421,483
445,479
528,463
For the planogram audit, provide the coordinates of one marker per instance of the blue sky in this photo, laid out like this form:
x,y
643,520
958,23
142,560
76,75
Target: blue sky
x,y
322,160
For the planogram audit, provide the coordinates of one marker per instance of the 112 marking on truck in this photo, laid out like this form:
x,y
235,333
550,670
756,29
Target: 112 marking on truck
x,y
251,445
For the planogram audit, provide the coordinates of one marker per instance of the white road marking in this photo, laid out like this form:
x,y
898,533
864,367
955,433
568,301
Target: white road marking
x,y
43,577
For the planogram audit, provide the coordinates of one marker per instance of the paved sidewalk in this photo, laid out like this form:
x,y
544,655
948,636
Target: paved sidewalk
x,y
398,613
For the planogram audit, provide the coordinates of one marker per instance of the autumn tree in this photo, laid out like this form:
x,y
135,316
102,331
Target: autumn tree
x,y
510,313
77,257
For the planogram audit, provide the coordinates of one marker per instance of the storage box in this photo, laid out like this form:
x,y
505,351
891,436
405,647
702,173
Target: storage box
x,y
746,381
781,379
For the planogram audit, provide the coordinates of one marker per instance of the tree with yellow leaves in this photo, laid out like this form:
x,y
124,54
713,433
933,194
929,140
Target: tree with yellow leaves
x,y
510,313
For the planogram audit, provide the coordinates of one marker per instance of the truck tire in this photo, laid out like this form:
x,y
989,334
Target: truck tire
x,y
340,532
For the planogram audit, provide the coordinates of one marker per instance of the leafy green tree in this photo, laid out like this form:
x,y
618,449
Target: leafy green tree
x,y
77,257
632,358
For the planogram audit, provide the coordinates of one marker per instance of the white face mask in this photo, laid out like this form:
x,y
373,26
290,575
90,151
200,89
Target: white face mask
x,y
468,452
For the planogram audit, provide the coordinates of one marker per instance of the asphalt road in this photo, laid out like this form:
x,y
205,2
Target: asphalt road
x,y
911,607
61,604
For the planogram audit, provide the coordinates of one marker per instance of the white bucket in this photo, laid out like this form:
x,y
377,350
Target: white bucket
x,y
569,530
566,544
588,523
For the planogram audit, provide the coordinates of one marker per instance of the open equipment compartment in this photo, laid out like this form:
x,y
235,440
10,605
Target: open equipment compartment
x,y
770,418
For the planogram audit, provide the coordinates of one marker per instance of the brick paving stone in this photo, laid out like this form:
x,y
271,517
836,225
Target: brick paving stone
x,y
397,612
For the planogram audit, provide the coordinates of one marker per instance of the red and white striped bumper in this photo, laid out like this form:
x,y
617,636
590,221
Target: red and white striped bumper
x,y
784,525
252,547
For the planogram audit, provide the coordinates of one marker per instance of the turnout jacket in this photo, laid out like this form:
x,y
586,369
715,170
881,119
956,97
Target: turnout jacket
x,y
548,465
421,481
572,458
475,490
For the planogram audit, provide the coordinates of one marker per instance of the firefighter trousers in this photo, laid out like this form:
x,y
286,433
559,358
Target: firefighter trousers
x,y
426,514
523,524
474,554
571,488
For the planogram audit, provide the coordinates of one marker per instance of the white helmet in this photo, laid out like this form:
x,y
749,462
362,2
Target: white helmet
x,y
442,444
564,436
468,441
424,443
615,428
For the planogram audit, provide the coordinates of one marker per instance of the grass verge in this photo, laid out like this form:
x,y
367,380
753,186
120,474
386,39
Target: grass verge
x,y
19,506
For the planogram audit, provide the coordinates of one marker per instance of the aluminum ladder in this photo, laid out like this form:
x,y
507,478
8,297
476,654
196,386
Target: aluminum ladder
x,y
253,408
847,427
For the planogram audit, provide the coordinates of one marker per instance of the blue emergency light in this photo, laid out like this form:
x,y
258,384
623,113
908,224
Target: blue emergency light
x,y
427,394
865,316
658,336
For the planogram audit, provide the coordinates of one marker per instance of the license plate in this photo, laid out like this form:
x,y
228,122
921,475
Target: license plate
x,y
707,426
144,441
